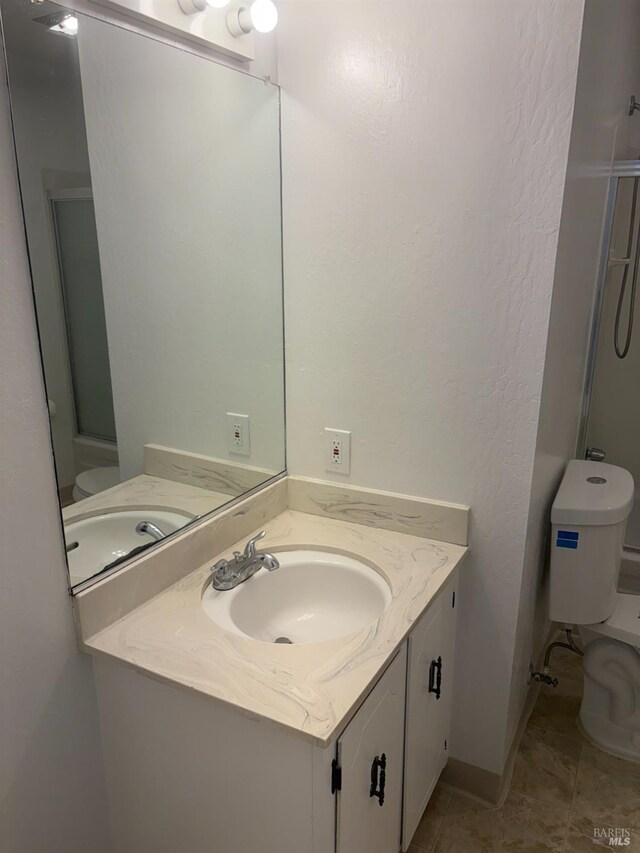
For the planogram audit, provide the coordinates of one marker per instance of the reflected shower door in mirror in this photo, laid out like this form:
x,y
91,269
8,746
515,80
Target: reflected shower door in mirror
x,y
612,401
150,182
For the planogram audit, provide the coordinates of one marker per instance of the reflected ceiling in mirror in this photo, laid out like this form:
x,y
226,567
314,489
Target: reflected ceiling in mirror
x,y
150,182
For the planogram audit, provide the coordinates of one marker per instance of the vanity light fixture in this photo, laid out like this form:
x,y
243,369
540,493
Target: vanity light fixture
x,y
65,23
261,16
192,7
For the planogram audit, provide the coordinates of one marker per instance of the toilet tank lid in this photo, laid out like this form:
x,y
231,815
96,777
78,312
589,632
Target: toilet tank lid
x,y
593,493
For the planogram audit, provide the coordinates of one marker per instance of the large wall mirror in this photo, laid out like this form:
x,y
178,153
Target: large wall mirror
x,y
150,182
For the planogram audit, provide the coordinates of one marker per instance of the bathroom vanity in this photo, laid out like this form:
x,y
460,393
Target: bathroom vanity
x,y
215,740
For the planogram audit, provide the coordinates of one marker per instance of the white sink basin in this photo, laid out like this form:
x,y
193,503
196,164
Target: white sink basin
x,y
313,596
111,535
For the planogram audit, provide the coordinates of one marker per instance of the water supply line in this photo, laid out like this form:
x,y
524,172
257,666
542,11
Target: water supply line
x,y
622,352
544,676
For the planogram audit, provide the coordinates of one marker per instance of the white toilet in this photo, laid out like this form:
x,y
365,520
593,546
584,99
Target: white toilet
x,y
95,480
589,517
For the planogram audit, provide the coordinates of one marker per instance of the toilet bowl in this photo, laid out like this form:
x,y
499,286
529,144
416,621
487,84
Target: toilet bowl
x,y
610,709
95,480
588,517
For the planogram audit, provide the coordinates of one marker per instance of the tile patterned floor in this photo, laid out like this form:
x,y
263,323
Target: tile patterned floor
x,y
562,789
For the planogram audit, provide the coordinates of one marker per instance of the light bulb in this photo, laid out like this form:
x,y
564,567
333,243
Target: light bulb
x,y
69,25
264,15
261,15
218,4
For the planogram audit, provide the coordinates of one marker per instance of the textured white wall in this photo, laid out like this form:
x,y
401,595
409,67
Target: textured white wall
x,y
187,197
609,71
424,150
52,792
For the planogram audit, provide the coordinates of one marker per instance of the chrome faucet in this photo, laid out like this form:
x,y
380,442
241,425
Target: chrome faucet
x,y
227,574
151,529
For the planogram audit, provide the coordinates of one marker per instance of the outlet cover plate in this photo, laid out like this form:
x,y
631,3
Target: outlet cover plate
x,y
337,451
238,435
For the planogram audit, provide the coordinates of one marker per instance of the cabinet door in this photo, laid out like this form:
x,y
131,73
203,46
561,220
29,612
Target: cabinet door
x,y
370,753
429,687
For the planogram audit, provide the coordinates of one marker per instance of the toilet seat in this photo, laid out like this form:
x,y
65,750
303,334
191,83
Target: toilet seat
x,y
96,480
624,622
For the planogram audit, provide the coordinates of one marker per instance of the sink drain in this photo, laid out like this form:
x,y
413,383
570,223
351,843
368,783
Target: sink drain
x,y
283,640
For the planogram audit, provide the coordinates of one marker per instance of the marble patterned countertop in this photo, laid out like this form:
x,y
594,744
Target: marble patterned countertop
x,y
311,689
151,493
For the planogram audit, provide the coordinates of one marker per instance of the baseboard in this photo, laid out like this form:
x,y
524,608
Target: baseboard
x,y
65,495
472,781
490,787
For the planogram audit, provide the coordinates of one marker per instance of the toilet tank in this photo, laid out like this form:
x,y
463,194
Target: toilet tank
x,y
588,521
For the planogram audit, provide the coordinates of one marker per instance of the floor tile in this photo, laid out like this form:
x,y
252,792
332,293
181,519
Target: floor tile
x,y
431,822
546,766
522,824
554,712
607,793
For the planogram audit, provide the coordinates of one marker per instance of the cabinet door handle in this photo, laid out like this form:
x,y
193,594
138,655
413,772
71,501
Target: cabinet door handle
x,y
435,677
378,778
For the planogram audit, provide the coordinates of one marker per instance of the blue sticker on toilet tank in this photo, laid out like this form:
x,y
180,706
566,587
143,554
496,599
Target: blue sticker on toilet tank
x,y
567,539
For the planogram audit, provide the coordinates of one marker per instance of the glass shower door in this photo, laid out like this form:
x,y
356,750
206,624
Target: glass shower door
x,y
78,260
613,422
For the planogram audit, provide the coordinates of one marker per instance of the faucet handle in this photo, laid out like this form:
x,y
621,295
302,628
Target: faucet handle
x,y
250,547
222,569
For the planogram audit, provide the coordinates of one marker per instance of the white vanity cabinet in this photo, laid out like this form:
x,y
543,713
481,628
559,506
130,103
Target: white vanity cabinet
x,y
431,649
370,755
186,774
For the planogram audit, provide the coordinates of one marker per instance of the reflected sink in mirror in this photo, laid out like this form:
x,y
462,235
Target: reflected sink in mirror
x,y
95,542
313,596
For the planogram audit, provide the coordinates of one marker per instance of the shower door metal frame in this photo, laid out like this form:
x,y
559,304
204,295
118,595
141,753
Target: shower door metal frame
x,y
619,169
71,194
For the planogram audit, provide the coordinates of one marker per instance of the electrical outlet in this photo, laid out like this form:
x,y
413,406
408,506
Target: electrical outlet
x,y
337,450
238,434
